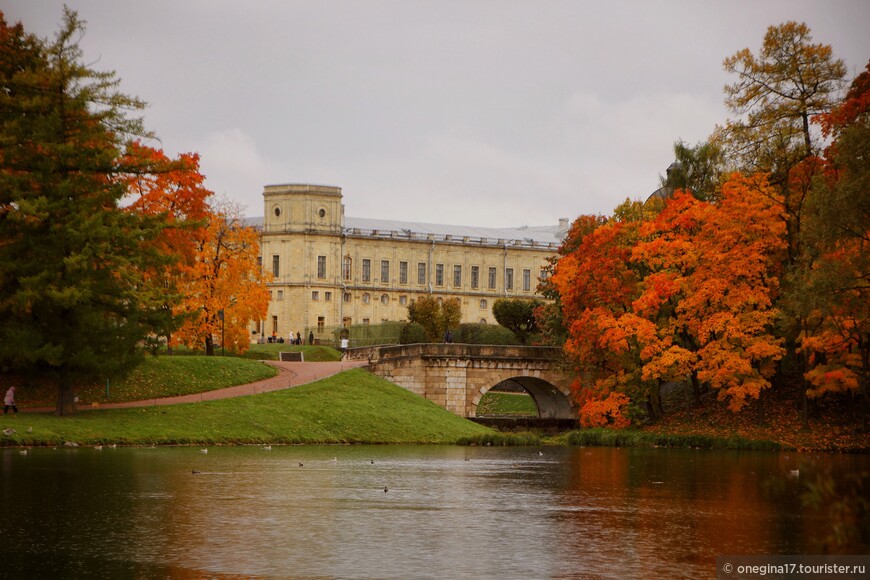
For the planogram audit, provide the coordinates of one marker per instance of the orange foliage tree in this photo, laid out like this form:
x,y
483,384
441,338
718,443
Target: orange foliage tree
x,y
730,307
174,191
596,284
685,293
226,288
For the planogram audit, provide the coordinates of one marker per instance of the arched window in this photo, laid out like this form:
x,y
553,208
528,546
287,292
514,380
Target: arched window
x,y
366,298
346,270
385,299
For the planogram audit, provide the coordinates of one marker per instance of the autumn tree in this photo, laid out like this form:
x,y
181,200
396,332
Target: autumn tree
x,y
73,260
597,283
731,304
668,257
549,316
226,286
172,188
436,316
832,298
776,94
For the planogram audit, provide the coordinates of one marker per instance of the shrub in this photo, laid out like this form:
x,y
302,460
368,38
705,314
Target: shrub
x,y
412,333
471,333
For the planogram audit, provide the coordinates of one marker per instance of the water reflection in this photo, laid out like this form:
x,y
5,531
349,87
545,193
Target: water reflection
x,y
448,511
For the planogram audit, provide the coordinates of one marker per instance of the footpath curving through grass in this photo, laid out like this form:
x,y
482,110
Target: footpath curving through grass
x,y
157,377
350,407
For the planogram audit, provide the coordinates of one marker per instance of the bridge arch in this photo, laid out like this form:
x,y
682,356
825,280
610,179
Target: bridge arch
x,y
551,401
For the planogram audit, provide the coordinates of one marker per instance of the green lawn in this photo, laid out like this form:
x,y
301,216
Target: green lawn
x,y
161,376
269,351
511,404
351,407
310,353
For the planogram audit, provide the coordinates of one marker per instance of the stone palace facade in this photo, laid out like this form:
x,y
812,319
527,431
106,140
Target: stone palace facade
x,y
331,271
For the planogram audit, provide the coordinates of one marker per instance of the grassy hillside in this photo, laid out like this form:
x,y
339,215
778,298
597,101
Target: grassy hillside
x,y
351,407
162,376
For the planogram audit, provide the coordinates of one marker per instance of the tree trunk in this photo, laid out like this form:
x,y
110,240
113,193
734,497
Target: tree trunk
x,y
65,396
657,400
209,346
806,411
760,416
696,388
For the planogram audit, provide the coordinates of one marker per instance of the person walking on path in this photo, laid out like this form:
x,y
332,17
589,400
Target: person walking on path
x,y
9,401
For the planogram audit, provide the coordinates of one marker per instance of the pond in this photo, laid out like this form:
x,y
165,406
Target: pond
x,y
403,511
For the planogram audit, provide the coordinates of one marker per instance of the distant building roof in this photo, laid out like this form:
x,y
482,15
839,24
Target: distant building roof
x,y
538,234
524,235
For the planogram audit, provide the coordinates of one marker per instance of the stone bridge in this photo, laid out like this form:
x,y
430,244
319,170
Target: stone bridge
x,y
456,376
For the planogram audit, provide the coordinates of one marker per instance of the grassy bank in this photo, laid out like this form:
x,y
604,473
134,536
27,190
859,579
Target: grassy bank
x,y
634,438
161,376
351,407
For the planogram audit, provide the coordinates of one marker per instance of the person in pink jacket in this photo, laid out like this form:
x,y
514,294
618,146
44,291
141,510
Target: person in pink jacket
x,y
9,401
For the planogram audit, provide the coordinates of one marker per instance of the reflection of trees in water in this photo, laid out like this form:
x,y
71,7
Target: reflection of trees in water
x,y
844,503
837,503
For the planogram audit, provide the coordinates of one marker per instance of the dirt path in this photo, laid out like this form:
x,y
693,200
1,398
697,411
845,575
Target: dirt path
x,y
290,374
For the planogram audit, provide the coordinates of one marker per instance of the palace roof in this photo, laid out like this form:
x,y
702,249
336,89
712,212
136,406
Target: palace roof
x,y
528,236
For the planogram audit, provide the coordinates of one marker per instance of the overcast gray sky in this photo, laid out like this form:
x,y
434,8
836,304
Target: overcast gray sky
x,y
466,112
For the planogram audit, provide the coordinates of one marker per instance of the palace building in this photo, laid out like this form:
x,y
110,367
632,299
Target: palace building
x,y
332,271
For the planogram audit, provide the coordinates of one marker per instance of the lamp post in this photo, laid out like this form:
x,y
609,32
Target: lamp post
x,y
221,316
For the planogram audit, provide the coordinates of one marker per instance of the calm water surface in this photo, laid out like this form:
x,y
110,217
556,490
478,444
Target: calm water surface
x,y
449,512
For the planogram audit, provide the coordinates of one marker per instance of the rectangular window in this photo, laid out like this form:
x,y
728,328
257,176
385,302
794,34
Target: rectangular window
x,y
327,296
366,321
321,323
403,272
492,278
439,274
527,280
421,273
545,272
321,267
475,276
508,278
385,271
276,266
315,295
274,325
366,270
457,276
280,295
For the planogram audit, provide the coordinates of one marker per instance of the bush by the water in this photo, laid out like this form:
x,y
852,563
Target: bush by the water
x,y
631,438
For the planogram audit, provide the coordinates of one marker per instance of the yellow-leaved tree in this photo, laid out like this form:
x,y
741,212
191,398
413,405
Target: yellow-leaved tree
x,y
226,288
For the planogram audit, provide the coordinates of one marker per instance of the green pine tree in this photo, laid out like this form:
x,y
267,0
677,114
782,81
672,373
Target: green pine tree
x,y
72,259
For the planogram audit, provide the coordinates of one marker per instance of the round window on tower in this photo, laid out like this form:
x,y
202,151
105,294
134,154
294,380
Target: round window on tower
x,y
322,213
277,211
